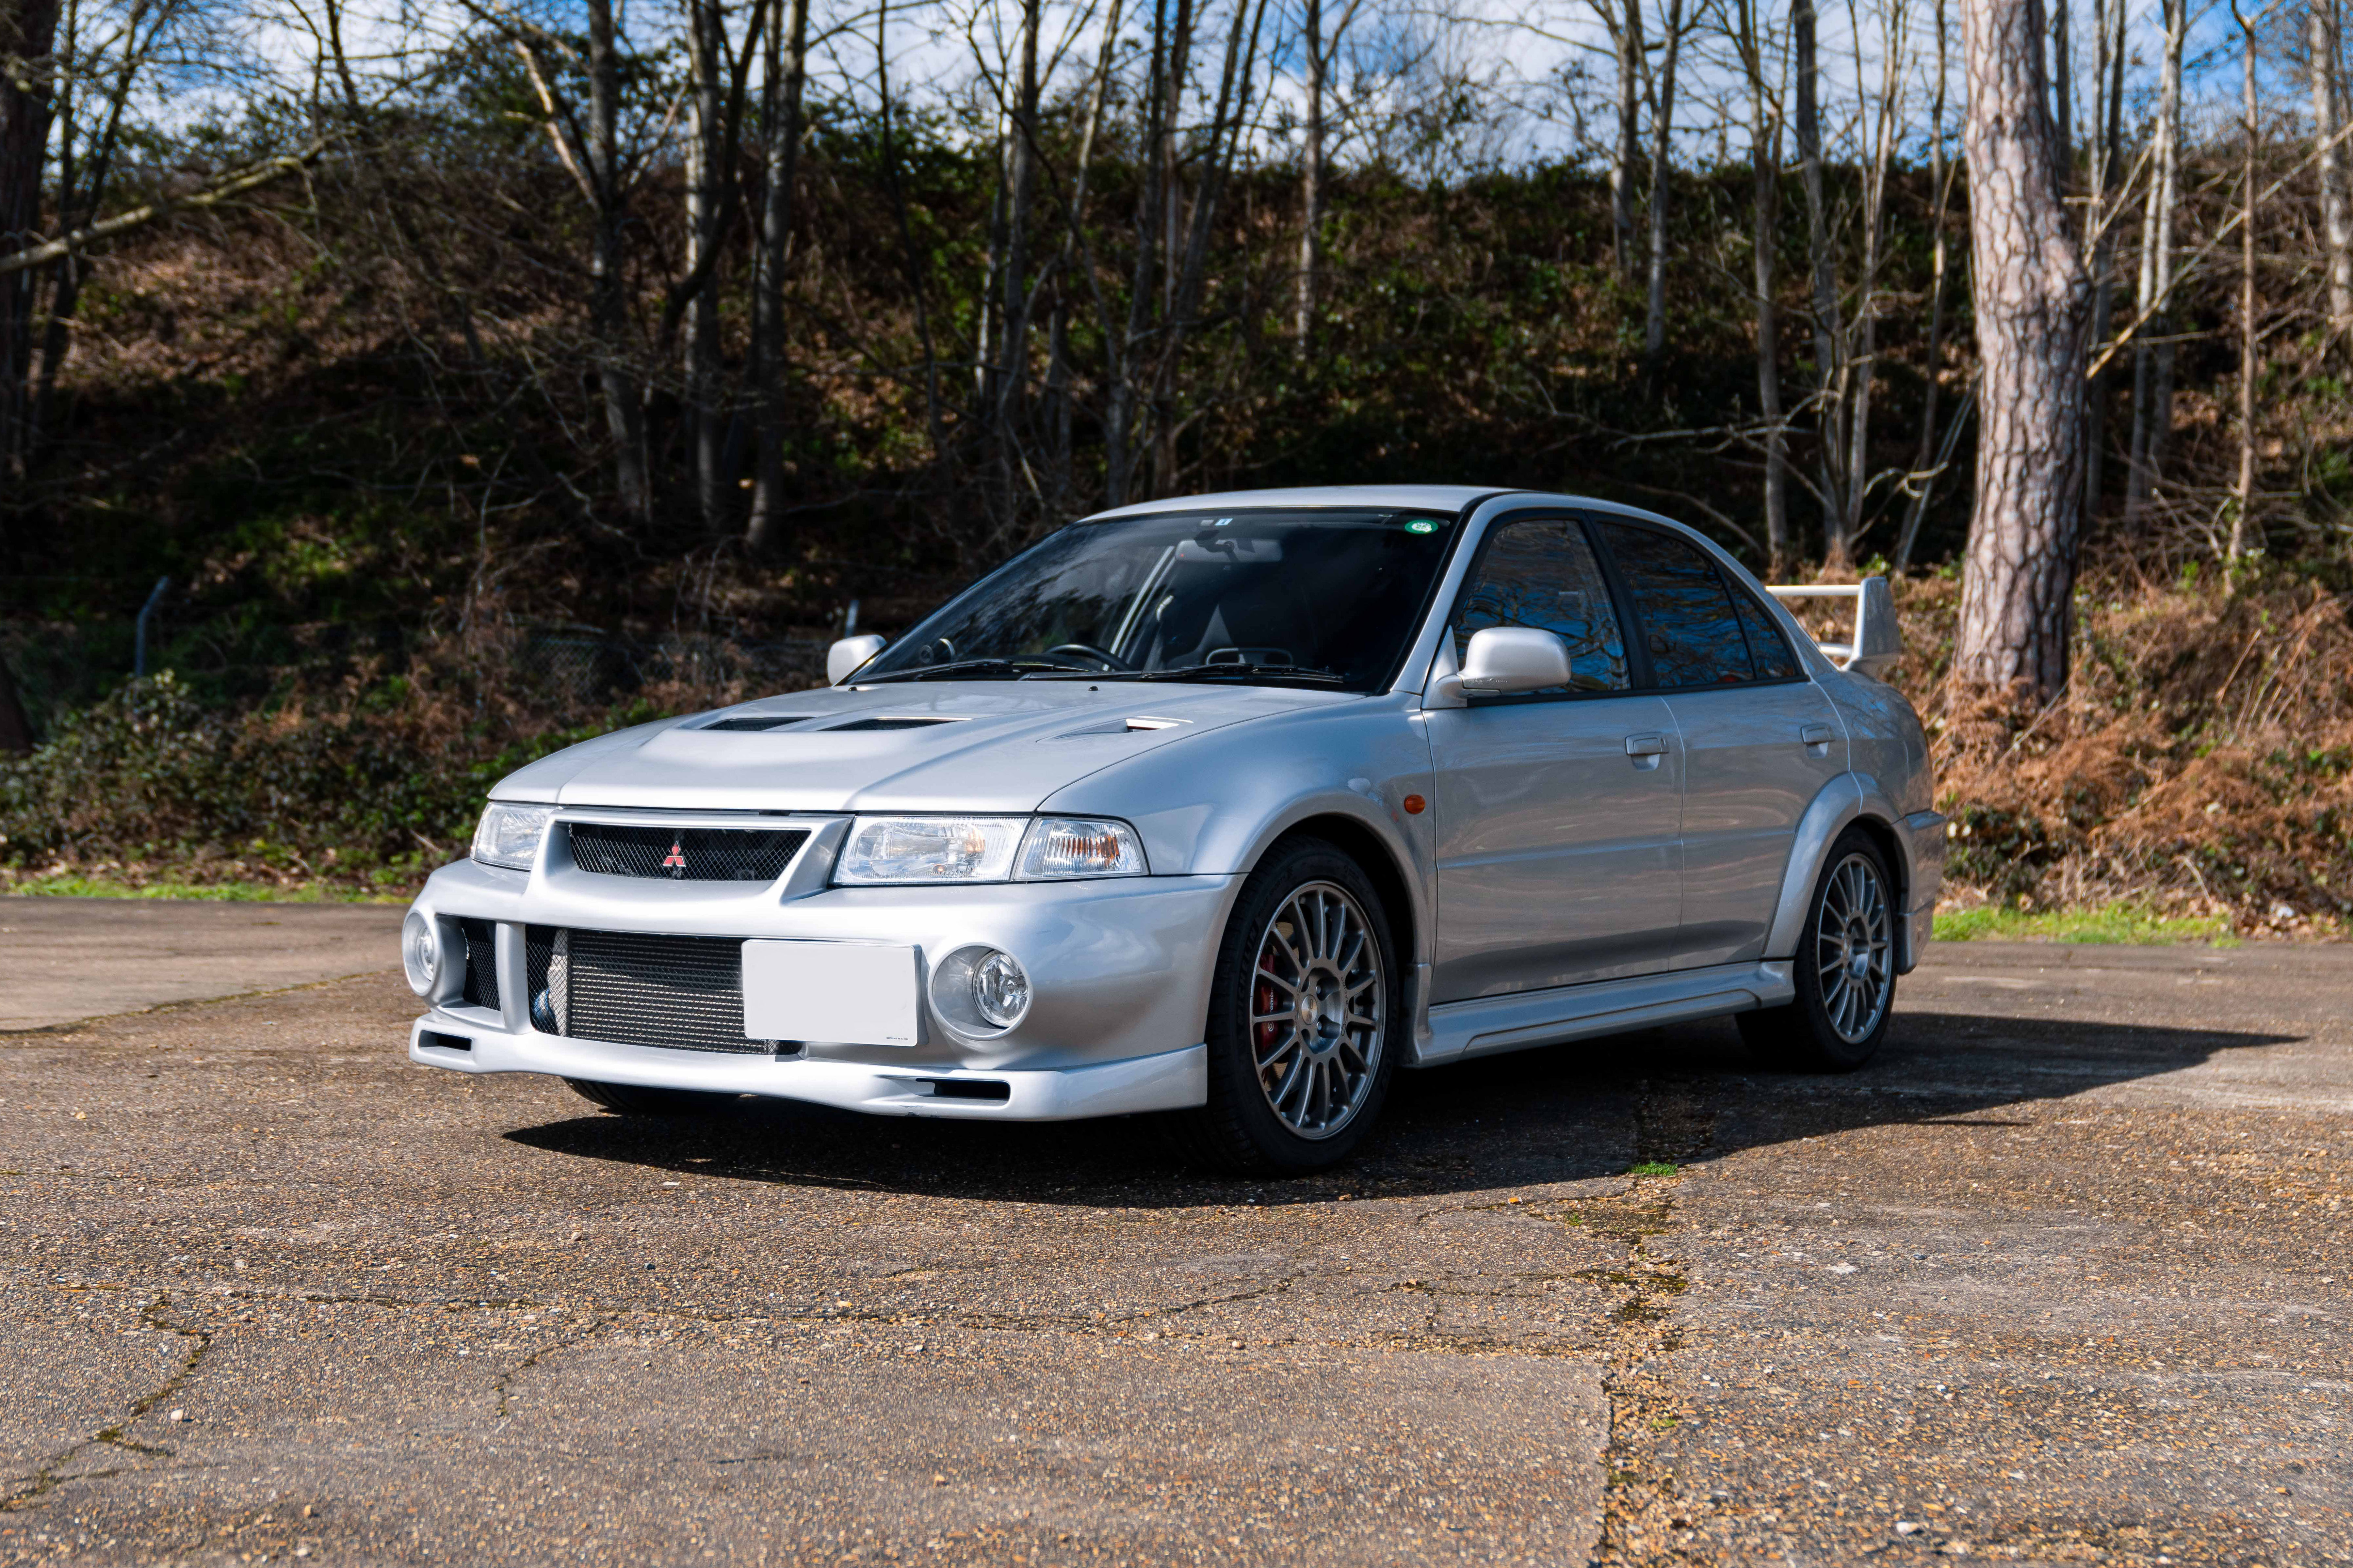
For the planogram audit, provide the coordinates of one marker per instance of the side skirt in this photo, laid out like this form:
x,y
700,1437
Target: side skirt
x,y
1486,1025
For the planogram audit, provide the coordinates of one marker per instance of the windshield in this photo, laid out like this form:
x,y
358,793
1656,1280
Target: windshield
x,y
1325,598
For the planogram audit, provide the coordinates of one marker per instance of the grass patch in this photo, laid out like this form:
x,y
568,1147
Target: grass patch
x,y
1650,1168
2127,923
81,887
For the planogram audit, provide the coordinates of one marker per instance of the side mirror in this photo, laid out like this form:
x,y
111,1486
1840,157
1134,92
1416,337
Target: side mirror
x,y
1503,660
849,656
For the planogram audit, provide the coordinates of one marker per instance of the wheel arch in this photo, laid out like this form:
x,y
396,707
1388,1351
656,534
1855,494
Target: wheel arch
x,y
1368,849
1848,801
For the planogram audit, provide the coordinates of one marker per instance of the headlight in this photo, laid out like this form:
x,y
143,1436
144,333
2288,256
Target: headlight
x,y
1080,846
930,849
421,954
510,835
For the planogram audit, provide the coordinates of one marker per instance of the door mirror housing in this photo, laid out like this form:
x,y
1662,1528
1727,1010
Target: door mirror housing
x,y
848,657
1504,660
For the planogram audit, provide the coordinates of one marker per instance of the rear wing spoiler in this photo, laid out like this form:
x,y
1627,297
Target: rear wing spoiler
x,y
1876,641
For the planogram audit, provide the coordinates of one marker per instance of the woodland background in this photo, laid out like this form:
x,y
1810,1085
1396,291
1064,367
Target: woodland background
x,y
484,375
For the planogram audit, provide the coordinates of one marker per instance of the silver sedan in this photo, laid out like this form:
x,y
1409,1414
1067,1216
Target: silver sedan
x,y
1228,808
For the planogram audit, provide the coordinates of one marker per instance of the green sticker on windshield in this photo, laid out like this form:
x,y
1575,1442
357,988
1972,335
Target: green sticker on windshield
x,y
1421,525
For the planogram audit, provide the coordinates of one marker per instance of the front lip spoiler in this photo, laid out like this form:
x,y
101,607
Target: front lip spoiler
x,y
1167,1081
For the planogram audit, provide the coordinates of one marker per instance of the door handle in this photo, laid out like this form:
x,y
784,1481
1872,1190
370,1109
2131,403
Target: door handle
x,y
1646,745
1815,734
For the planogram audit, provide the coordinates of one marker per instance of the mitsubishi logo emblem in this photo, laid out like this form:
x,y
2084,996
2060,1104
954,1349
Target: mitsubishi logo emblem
x,y
675,862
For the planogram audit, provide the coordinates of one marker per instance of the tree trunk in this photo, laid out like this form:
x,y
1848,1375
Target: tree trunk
x,y
787,71
1311,184
1120,415
2244,512
2153,347
1802,31
2337,225
2032,306
706,55
15,728
608,305
1629,138
1021,186
1654,325
2108,102
1766,159
1863,361
1940,177
27,34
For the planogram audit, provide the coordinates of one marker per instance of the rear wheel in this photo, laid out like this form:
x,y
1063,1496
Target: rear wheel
x,y
636,1100
1845,968
1304,1013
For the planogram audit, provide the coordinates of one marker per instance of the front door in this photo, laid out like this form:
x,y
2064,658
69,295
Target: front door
x,y
1760,739
1559,812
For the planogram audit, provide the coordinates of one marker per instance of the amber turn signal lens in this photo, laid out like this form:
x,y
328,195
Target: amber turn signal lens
x,y
1414,804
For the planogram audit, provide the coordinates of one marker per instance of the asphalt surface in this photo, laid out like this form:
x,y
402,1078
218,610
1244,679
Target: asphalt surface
x,y
2061,1279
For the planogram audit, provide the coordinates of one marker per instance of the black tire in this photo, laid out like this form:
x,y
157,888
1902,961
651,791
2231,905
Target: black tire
x,y
1332,1073
635,1100
1833,1026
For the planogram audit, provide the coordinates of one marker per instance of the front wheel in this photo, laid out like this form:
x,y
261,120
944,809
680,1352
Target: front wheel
x,y
636,1100
1305,1014
1845,968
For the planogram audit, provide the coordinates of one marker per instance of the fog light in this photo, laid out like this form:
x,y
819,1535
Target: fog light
x,y
980,991
421,954
1000,989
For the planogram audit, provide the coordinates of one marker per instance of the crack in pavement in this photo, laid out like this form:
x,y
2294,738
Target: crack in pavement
x,y
46,1477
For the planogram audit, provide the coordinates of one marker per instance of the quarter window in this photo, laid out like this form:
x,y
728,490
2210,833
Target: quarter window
x,y
1689,622
1542,573
1767,646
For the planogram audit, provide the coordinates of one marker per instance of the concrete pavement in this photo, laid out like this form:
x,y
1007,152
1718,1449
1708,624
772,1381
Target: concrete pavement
x,y
2062,1278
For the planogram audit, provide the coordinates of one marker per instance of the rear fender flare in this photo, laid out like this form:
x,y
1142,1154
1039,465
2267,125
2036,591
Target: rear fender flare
x,y
1847,799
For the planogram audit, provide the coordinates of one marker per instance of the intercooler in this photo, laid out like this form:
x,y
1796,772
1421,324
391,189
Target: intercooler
x,y
683,993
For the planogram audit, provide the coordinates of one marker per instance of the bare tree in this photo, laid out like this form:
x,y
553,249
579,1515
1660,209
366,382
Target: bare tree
x,y
1803,35
2337,225
1626,29
1927,467
1662,126
705,169
2103,204
786,73
1765,159
2153,341
2032,306
1862,361
27,35
2245,499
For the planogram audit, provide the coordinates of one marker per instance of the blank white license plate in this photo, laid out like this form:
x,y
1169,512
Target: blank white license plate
x,y
842,993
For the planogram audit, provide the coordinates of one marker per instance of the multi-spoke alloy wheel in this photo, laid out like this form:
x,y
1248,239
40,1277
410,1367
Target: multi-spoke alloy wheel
x,y
1846,970
1855,948
1306,990
1318,1009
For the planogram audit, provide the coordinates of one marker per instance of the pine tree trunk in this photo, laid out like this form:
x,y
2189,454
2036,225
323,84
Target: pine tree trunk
x,y
2033,305
27,34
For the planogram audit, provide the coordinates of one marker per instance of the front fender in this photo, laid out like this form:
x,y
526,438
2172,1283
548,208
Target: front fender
x,y
1919,843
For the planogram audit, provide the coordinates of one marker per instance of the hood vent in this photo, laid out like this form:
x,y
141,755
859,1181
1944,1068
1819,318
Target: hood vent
x,y
754,722
860,724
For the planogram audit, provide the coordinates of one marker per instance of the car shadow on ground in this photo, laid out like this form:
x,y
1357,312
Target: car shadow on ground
x,y
1567,1113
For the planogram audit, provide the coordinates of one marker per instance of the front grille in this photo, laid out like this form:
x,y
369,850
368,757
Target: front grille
x,y
684,993
685,854
481,963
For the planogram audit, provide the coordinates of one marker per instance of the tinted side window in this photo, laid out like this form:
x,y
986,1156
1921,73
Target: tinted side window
x,y
1692,628
1767,646
1542,575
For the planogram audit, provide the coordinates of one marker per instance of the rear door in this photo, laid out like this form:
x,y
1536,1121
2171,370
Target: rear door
x,y
1557,812
1759,738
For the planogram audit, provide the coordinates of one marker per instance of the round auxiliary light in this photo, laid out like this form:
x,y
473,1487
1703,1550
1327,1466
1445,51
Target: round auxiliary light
x,y
980,992
421,954
1000,989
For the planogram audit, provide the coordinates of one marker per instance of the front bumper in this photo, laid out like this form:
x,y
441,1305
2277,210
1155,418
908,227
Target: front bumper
x,y
1119,970
1169,1080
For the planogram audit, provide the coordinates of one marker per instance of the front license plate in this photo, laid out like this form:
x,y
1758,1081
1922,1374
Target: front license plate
x,y
840,993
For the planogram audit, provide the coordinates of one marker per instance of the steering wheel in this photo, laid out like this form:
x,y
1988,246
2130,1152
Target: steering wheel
x,y
1085,650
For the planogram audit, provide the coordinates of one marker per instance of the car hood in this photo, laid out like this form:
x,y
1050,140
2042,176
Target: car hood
x,y
905,746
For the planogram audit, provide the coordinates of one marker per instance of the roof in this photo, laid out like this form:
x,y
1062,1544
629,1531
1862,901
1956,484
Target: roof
x,y
1428,498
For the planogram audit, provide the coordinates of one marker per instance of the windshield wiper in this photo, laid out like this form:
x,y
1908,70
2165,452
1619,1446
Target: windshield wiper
x,y
1015,667
1234,672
